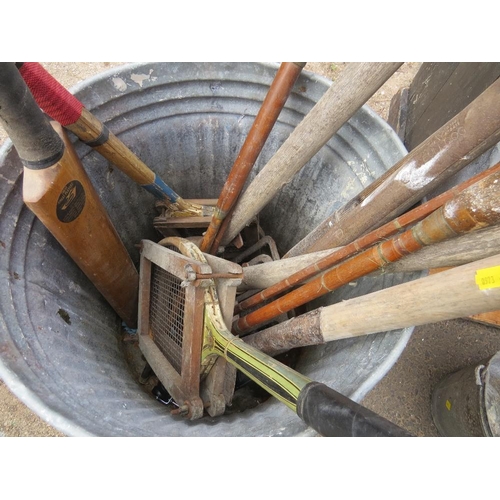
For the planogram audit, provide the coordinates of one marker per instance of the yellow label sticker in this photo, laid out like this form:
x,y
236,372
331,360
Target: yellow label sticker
x,y
448,404
488,278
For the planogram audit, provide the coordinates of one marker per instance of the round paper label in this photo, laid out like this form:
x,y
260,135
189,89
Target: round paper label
x,y
70,202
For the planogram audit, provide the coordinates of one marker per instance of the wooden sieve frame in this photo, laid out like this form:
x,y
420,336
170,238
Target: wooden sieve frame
x,y
214,392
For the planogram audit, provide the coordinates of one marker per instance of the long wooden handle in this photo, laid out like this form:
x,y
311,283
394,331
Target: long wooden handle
x,y
57,189
272,105
347,94
476,207
470,133
450,253
65,108
361,243
460,292
456,252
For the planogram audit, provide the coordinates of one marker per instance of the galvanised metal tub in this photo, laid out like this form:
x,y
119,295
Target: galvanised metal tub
x,y
61,349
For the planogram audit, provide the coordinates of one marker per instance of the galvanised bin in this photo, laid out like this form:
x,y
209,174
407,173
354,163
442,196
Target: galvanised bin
x,y
61,349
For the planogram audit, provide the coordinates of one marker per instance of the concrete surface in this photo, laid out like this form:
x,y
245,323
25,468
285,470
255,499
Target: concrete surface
x,y
403,396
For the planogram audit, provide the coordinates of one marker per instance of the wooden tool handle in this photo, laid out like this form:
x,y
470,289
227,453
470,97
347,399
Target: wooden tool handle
x,y
460,292
462,139
331,258
272,105
456,293
339,103
476,207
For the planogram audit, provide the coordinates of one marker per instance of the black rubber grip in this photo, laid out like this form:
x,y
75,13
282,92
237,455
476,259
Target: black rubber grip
x,y
333,415
37,143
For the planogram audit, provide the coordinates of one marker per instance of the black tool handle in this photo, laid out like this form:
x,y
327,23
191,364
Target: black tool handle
x,y
334,415
37,143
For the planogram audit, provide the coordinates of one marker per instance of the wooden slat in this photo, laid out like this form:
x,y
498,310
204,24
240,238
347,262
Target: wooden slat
x,y
173,261
161,223
398,113
440,91
428,82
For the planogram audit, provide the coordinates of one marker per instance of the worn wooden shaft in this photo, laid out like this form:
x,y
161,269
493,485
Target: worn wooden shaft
x,y
267,274
361,243
470,133
272,105
476,207
460,292
66,109
357,83
456,252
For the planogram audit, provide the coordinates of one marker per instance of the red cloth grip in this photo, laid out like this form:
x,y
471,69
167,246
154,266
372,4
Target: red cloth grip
x,y
50,95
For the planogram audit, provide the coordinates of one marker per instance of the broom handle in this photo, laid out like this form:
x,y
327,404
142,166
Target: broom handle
x,y
65,108
356,84
362,243
476,207
272,105
460,292
462,139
